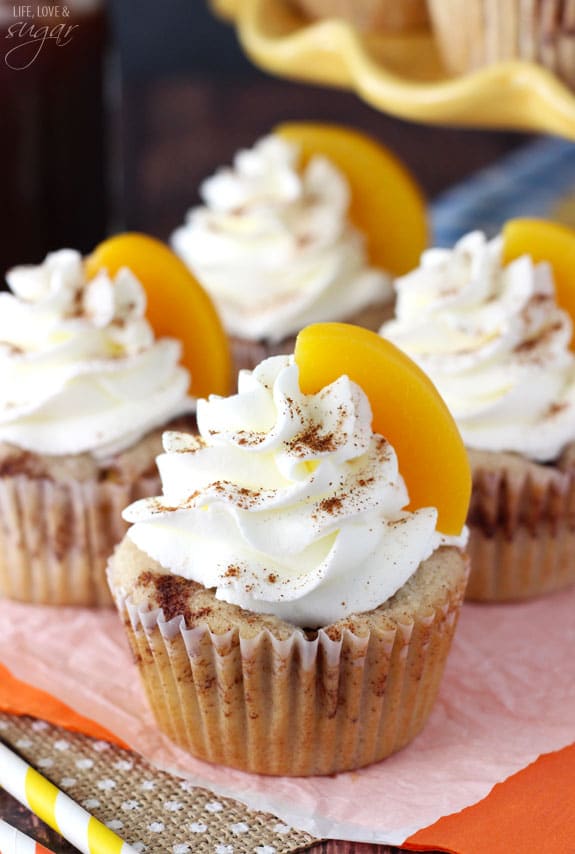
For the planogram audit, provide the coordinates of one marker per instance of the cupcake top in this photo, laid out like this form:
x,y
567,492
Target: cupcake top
x,y
495,343
80,370
274,247
286,503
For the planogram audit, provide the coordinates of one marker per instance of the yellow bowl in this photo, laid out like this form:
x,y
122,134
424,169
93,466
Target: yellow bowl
x,y
402,75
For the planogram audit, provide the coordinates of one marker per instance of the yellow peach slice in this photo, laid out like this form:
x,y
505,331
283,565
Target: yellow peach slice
x,y
387,206
545,241
407,410
177,306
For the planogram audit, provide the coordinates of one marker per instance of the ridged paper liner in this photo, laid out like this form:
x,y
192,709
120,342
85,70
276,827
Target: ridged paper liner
x,y
475,33
522,532
56,537
385,15
293,707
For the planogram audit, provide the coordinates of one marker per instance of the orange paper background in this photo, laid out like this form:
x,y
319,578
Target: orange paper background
x,y
19,698
532,812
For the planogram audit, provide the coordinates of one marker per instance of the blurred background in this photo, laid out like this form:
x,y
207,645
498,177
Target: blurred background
x,y
115,127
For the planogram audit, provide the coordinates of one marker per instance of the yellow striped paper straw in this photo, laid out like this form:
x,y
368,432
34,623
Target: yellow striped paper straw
x,y
55,808
13,841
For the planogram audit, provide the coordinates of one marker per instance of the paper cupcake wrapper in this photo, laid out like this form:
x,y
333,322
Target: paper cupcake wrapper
x,y
56,537
474,33
522,534
294,707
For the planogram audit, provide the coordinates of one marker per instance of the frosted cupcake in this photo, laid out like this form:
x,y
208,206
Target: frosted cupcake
x,y
274,245
85,392
496,344
287,613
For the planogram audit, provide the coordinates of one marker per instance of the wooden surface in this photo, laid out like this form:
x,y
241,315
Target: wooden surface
x,y
176,132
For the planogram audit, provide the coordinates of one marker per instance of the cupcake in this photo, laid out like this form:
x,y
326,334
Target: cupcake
x,y
287,614
278,242
475,33
86,392
489,333
370,15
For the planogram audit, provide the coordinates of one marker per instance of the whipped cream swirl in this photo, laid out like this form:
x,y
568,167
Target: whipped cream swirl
x,y
286,503
495,343
274,247
80,370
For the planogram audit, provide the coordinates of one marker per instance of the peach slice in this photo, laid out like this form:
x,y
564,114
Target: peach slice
x,y
545,241
177,306
407,410
386,205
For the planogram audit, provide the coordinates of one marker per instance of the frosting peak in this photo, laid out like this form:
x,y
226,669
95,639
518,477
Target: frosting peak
x,y
286,503
80,370
495,343
274,247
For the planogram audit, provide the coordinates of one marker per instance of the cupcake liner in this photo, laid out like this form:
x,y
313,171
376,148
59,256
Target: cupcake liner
x,y
474,33
298,706
522,532
56,537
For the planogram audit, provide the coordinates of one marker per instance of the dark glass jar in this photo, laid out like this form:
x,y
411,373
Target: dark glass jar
x,y
52,128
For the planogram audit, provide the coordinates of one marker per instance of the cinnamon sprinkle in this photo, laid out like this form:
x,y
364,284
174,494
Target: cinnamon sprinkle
x,y
232,571
532,343
173,596
331,505
313,440
555,409
249,438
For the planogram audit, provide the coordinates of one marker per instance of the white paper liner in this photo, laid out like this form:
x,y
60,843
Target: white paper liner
x,y
56,537
522,534
294,707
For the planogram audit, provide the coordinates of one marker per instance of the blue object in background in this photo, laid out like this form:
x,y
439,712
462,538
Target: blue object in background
x,y
528,182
